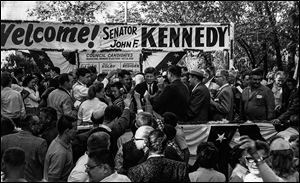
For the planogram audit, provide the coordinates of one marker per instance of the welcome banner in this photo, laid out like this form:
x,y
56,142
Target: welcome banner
x,y
127,37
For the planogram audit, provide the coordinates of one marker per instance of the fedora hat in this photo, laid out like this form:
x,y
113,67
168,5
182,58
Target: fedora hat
x,y
197,73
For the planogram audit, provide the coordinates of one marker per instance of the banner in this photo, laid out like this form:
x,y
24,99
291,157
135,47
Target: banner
x,y
107,61
127,37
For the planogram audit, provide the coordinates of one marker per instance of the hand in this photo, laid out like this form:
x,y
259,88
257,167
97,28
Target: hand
x,y
276,122
111,73
107,99
278,108
136,95
36,87
127,100
248,144
147,96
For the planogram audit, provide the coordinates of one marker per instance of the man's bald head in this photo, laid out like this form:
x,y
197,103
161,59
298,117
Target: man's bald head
x,y
143,132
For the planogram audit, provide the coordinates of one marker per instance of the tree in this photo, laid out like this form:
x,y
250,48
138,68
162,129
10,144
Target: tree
x,y
71,11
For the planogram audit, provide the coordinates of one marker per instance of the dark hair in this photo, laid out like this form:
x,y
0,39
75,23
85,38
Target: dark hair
x,y
7,126
98,140
64,77
92,69
123,72
282,162
103,156
93,89
6,79
27,121
14,157
64,123
224,73
82,72
175,70
157,141
27,79
38,76
111,112
18,71
150,70
170,131
50,112
56,70
101,76
207,155
170,118
117,84
257,72
261,145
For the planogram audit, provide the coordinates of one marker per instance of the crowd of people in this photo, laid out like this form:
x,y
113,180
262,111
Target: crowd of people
x,y
84,126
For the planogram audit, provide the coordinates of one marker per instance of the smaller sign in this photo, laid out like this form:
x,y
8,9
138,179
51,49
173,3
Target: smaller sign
x,y
107,61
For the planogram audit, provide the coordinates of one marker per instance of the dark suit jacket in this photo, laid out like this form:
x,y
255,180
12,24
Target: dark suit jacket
x,y
174,98
198,105
142,87
222,106
159,169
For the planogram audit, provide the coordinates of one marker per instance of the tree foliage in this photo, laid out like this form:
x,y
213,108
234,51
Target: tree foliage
x,y
262,28
72,11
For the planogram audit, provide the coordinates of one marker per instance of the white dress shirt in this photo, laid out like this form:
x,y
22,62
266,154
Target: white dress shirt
x,y
88,107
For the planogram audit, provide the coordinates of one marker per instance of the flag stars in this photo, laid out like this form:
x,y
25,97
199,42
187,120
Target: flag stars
x,y
47,66
221,137
169,63
41,57
176,55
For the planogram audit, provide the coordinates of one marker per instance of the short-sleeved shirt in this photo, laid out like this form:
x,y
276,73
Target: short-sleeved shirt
x,y
12,105
59,161
206,175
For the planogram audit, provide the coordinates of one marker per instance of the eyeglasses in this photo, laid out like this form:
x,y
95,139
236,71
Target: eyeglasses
x,y
90,167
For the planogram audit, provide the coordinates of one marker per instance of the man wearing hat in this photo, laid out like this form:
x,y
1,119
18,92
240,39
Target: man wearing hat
x,y
200,98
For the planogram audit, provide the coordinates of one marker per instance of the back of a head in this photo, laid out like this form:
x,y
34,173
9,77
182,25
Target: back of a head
x,y
18,72
143,131
170,118
175,70
170,131
157,141
144,118
50,112
56,70
123,72
27,121
98,140
261,145
112,112
103,156
64,77
207,155
14,157
65,122
27,79
282,157
95,88
6,79
82,72
7,126
92,69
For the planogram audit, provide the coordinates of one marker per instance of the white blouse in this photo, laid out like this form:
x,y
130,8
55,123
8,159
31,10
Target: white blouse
x,y
33,98
88,107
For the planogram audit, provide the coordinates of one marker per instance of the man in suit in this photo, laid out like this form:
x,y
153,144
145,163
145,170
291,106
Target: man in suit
x,y
174,97
222,104
149,84
200,98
